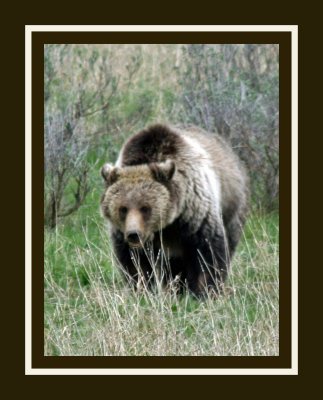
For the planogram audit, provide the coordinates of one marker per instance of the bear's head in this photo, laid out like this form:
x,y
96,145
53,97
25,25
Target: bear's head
x,y
138,201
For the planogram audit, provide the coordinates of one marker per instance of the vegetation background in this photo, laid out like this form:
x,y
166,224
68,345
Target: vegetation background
x,y
95,97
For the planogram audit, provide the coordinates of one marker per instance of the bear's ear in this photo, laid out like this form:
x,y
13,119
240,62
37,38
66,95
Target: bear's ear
x,y
109,173
164,171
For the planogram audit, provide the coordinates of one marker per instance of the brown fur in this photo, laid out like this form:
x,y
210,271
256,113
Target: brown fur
x,y
183,190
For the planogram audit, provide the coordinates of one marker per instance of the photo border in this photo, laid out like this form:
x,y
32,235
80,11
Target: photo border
x,y
36,362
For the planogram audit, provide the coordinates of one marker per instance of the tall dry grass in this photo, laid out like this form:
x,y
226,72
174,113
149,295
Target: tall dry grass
x,y
89,310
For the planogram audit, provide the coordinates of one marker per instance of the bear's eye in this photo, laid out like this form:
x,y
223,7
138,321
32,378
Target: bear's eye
x,y
123,210
145,209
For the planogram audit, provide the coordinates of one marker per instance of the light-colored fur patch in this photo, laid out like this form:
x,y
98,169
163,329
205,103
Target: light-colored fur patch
x,y
118,163
204,178
208,175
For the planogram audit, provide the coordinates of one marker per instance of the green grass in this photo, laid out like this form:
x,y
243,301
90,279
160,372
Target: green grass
x,y
89,310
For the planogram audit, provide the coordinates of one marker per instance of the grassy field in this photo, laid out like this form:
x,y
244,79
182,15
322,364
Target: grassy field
x,y
89,310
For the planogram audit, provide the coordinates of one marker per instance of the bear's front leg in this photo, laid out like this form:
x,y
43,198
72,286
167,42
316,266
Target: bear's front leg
x,y
207,264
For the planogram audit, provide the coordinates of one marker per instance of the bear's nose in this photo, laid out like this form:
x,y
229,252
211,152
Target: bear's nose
x,y
133,237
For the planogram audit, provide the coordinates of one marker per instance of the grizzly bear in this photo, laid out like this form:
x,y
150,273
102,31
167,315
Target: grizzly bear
x,y
176,202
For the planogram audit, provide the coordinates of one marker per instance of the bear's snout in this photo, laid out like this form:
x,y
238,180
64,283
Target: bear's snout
x,y
133,238
134,228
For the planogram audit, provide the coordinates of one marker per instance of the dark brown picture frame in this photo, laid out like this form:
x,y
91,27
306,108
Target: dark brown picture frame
x,y
284,360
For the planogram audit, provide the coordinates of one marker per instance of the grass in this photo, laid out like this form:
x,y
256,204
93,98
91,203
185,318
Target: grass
x,y
89,310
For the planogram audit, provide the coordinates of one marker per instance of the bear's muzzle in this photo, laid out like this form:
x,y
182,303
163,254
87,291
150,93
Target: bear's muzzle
x,y
134,239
